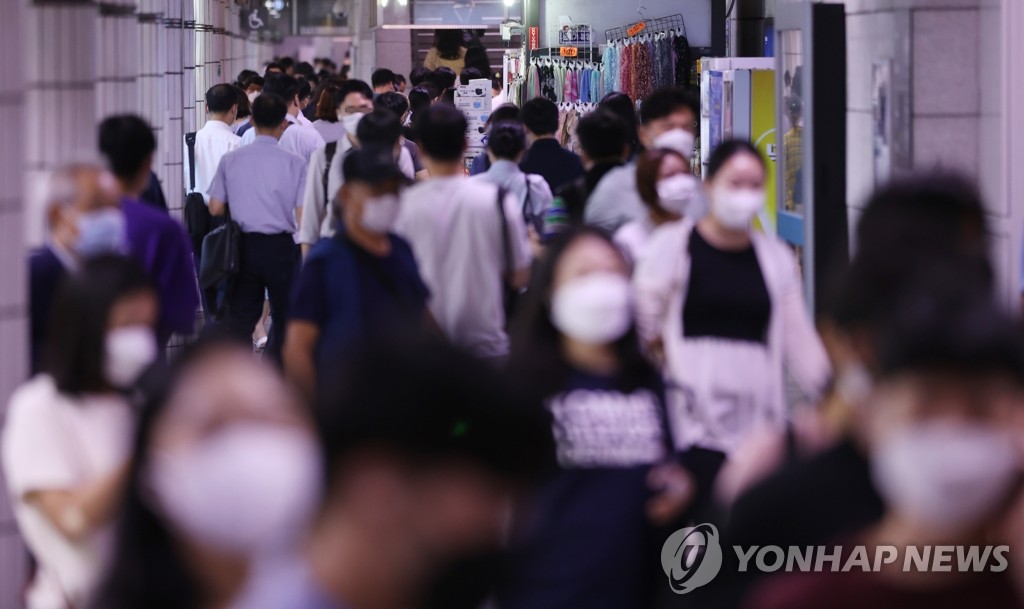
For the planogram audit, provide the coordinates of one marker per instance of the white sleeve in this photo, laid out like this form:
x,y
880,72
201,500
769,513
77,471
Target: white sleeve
x,y
405,163
249,136
313,208
34,455
653,280
519,240
540,195
804,353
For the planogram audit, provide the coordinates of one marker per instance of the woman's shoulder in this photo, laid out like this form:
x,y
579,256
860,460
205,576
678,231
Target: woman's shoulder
x,y
39,392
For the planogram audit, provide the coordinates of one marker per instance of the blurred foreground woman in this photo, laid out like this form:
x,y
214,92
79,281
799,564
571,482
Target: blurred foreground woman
x,y
944,438
593,536
69,429
224,479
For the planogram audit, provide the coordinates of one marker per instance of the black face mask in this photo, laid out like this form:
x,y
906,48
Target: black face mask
x,y
466,582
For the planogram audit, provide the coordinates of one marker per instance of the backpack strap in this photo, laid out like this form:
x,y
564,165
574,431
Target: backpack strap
x,y
190,142
329,153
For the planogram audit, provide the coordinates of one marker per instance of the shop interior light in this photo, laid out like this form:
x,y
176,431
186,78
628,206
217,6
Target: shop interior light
x,y
384,3
509,2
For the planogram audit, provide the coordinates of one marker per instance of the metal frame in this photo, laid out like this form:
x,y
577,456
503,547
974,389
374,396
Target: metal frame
x,y
797,17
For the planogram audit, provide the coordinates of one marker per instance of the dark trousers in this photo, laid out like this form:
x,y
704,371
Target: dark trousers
x,y
267,263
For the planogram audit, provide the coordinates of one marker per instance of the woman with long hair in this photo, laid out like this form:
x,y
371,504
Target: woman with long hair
x,y
593,537
68,433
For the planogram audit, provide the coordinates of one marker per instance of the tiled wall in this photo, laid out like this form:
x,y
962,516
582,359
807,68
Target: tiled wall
x,y
13,321
65,67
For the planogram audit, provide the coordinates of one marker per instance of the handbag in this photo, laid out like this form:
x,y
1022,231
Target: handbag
x,y
219,261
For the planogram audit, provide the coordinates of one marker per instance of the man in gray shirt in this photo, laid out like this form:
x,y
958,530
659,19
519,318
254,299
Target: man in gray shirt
x,y
263,185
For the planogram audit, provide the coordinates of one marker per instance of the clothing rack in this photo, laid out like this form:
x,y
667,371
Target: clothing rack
x,y
591,54
672,23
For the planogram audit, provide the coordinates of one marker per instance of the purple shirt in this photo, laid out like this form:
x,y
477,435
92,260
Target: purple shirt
x,y
159,243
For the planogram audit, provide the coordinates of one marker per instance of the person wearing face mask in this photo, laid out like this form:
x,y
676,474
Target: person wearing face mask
x,y
300,138
376,129
68,431
670,192
398,104
342,106
224,480
263,185
943,438
721,307
421,476
668,120
592,536
83,221
360,283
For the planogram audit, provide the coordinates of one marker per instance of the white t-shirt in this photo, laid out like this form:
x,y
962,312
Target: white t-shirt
x,y
57,442
633,238
453,226
213,141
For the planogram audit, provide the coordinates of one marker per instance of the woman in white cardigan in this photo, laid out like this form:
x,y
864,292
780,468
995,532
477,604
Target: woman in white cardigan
x,y
723,306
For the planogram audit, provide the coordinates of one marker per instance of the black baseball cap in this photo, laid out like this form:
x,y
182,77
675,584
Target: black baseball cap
x,y
371,165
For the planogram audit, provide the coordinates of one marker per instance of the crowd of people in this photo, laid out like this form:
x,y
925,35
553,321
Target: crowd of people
x,y
422,388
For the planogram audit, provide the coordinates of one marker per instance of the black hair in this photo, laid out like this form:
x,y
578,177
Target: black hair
x,y
623,107
381,77
537,355
419,75
393,102
667,101
476,57
603,135
448,43
420,99
282,85
305,88
448,406
442,133
909,226
304,69
947,322
244,108
399,78
504,113
272,66
259,81
443,78
269,111
507,140
354,85
245,76
147,567
127,141
379,128
77,345
728,149
540,116
220,98
286,62
469,74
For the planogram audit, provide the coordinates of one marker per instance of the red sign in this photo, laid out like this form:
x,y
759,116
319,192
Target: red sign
x,y
636,29
534,38
569,52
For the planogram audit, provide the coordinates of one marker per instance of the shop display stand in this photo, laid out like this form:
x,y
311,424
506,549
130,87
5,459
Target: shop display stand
x,y
672,23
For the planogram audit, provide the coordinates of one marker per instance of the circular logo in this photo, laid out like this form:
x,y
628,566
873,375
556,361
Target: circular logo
x,y
691,557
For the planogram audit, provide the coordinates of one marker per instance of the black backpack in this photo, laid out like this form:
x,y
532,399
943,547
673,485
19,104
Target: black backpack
x,y
197,214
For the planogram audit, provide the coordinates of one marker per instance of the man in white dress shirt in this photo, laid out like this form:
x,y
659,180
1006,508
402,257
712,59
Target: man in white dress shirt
x,y
215,139
298,139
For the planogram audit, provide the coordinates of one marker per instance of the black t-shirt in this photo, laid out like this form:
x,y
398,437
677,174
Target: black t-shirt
x,y
585,541
727,296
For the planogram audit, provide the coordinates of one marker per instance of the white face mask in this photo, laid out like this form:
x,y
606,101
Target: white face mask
x,y
247,488
351,123
101,232
252,95
380,213
594,309
945,475
679,140
681,194
736,209
129,351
